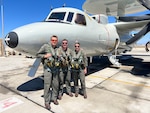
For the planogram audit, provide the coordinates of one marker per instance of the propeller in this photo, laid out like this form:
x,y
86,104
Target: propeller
x,y
134,18
141,33
145,3
34,67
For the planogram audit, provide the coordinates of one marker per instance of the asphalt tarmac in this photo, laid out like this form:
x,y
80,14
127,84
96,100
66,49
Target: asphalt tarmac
x,y
109,89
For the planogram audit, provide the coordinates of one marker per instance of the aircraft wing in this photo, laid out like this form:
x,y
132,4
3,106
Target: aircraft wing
x,y
124,28
113,7
130,26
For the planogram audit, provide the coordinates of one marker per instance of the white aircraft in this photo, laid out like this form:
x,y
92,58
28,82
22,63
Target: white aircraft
x,y
96,35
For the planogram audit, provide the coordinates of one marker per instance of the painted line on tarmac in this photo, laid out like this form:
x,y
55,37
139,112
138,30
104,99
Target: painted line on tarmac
x,y
108,72
120,81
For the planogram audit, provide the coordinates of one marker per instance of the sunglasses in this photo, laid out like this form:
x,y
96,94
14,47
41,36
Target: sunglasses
x,y
64,43
77,46
54,40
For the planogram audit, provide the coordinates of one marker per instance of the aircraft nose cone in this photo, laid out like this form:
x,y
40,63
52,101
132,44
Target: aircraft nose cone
x,y
11,39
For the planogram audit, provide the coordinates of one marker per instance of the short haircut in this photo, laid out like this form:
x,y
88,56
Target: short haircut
x,y
54,36
64,40
76,42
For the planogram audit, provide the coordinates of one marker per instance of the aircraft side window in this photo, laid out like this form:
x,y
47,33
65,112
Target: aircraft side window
x,y
57,15
80,19
70,16
94,18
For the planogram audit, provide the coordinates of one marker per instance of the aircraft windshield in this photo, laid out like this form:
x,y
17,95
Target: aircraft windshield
x,y
80,19
67,17
57,15
70,16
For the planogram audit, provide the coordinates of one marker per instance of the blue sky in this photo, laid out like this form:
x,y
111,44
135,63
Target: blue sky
x,y
21,12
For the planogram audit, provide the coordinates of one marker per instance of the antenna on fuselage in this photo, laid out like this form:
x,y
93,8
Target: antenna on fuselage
x,y
51,8
64,5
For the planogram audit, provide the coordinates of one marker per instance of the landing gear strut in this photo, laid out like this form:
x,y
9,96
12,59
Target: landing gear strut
x,y
112,58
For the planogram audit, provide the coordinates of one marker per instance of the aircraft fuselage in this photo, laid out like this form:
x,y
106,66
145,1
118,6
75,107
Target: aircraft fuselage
x,y
95,38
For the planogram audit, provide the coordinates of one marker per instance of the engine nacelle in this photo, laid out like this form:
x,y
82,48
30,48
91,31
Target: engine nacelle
x,y
108,38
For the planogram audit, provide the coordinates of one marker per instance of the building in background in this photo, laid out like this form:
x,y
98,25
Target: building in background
x,y
2,50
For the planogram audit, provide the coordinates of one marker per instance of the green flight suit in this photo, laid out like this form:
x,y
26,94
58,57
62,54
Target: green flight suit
x,y
65,75
78,64
50,73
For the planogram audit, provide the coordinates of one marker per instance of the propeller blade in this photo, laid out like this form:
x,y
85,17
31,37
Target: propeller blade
x,y
141,33
145,3
134,18
34,67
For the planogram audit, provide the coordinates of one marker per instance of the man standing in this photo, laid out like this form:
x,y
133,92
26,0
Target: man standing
x,y
64,76
79,69
48,54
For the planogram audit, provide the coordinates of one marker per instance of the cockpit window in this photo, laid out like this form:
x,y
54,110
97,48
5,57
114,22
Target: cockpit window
x,y
80,19
57,15
70,16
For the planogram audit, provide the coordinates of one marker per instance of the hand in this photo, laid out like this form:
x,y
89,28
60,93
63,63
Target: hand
x,y
85,71
47,55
